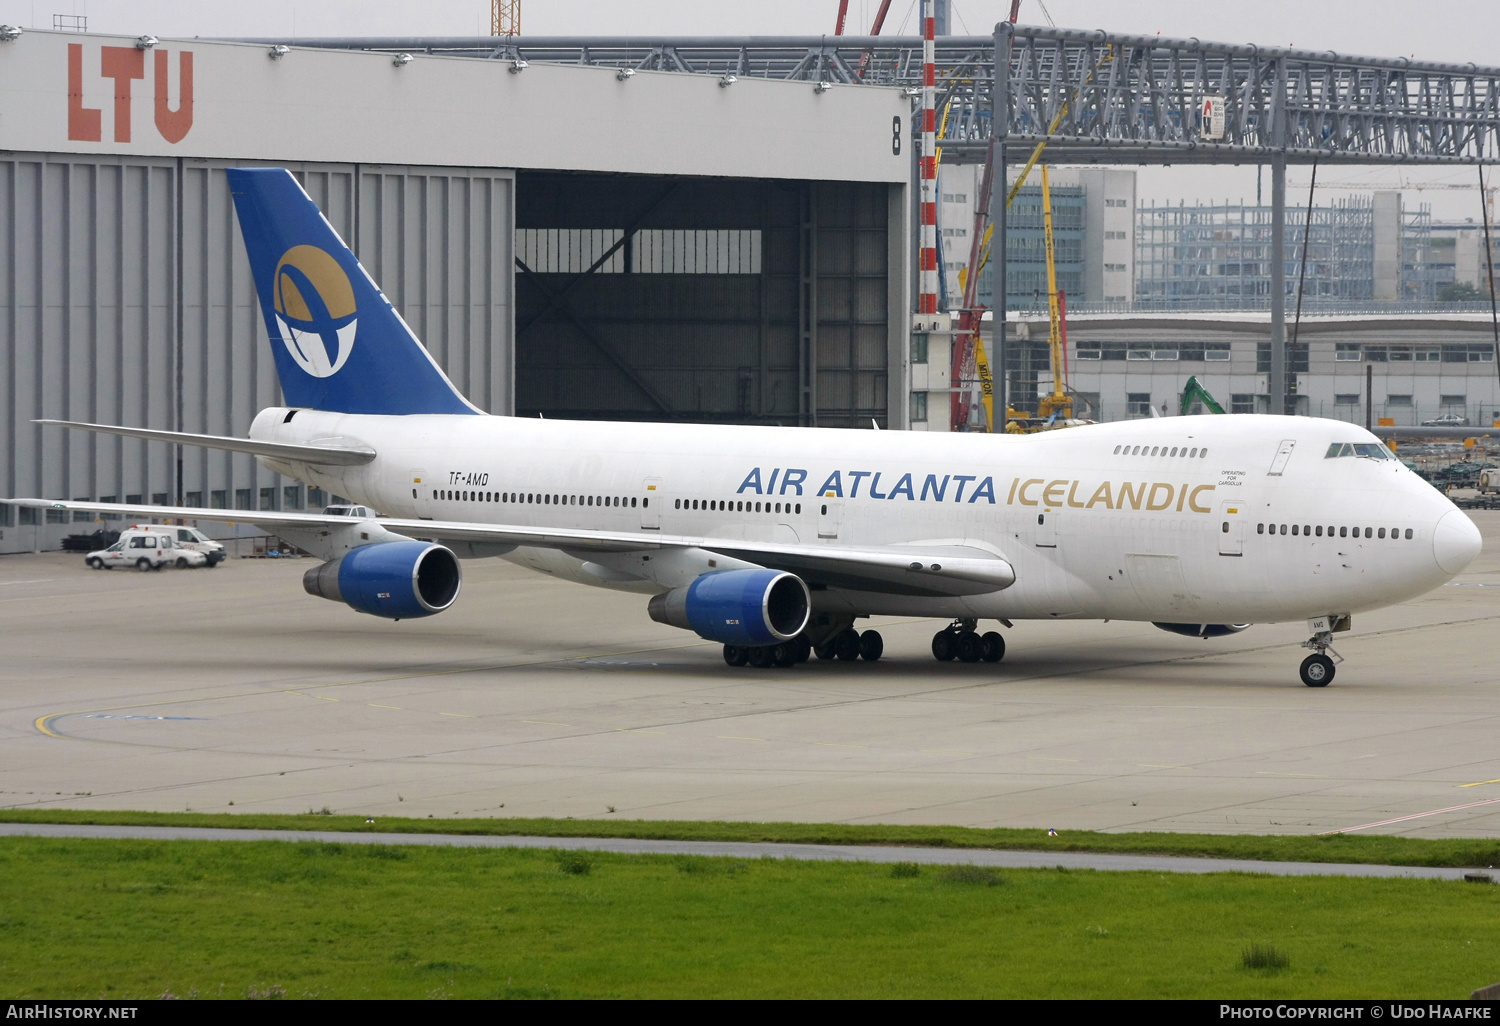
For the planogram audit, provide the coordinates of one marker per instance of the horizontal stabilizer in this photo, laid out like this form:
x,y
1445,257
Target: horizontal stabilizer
x,y
322,455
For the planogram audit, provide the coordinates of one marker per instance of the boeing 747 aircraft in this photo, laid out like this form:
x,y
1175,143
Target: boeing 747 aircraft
x,y
775,541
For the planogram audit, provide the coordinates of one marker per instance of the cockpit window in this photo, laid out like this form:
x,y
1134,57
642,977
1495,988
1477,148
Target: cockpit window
x,y
1368,450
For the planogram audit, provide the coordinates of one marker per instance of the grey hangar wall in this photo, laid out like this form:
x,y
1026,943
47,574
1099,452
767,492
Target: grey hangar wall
x,y
126,298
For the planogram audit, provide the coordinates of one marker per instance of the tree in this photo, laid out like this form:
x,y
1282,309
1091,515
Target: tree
x,y
1460,292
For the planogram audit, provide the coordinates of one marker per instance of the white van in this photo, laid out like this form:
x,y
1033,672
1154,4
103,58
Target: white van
x,y
192,538
146,548
189,538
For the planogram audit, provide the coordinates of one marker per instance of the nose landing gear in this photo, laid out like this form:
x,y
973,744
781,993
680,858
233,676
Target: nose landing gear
x,y
1317,669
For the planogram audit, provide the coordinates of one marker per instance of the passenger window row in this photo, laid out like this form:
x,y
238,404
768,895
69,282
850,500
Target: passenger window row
x,y
737,506
1308,530
1194,453
535,498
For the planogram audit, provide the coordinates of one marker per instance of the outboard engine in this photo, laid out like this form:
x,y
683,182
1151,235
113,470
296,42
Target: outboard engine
x,y
738,607
1202,630
396,580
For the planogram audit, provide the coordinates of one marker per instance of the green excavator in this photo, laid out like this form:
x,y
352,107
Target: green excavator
x,y
1193,392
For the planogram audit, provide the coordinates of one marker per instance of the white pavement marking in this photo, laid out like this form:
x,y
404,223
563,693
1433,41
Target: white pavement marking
x,y
1415,815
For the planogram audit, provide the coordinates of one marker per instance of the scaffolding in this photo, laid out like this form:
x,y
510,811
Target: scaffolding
x,y
1218,256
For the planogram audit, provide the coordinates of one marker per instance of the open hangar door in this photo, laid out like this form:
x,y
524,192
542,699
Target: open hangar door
x,y
746,301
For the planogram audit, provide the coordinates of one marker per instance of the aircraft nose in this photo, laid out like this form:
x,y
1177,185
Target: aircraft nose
x,y
1455,543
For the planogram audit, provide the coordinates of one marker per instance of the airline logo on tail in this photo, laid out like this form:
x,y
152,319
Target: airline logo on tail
x,y
315,296
315,310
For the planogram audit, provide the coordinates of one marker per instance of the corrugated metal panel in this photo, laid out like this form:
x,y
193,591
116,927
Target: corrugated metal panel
x,y
89,309
126,298
439,242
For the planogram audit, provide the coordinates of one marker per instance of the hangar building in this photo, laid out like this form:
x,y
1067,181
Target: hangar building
x,y
568,241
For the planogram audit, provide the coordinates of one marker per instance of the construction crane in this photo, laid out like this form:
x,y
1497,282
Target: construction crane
x,y
1059,404
970,317
505,17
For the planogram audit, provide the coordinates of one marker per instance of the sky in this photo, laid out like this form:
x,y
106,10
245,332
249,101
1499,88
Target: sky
x,y
1457,31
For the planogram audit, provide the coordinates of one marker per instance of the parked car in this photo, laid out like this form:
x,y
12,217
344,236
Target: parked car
x,y
192,538
146,549
1447,420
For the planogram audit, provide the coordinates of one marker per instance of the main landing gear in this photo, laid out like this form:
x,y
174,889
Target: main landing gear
x,y
960,641
847,645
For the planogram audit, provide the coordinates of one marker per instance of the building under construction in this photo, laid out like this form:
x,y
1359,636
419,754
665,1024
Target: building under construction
x,y
1361,251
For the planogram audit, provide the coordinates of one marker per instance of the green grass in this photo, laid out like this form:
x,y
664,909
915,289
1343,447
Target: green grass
x,y
1368,849
135,919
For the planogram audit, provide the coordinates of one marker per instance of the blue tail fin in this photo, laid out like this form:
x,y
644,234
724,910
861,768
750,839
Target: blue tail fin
x,y
339,344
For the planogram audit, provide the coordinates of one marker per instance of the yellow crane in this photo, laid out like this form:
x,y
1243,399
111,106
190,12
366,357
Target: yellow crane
x,y
980,254
505,17
1059,403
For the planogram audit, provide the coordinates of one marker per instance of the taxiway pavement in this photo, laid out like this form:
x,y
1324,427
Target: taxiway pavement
x,y
232,690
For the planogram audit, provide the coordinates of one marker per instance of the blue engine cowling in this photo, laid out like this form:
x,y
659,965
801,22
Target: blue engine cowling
x,y
397,580
738,607
1202,630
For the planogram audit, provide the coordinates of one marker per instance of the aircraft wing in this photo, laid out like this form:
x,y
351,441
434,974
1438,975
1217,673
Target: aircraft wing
x,y
328,455
928,570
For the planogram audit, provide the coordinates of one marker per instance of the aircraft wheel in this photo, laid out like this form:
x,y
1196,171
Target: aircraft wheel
x,y
846,645
761,656
1317,671
736,655
943,646
96,563
143,564
871,645
784,654
993,646
803,647
824,651
968,647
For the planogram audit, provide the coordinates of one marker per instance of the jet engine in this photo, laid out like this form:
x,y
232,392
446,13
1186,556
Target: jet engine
x,y
396,580
738,607
1202,630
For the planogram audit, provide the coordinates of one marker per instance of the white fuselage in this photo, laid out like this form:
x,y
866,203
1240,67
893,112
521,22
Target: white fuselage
x,y
1092,529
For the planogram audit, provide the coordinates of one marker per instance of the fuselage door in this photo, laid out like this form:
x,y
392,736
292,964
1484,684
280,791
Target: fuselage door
x,y
1046,529
1283,453
1231,526
830,516
421,489
651,503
